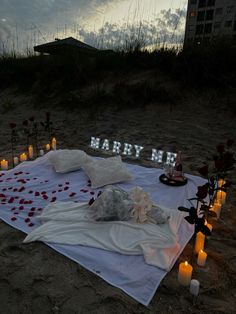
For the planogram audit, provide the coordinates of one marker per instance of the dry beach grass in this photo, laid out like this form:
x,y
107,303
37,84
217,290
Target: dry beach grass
x,y
35,279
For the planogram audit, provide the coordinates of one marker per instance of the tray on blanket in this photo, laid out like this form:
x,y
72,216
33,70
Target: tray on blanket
x,y
169,181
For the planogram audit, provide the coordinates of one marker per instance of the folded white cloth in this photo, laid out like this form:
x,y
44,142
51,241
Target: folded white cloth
x,y
68,223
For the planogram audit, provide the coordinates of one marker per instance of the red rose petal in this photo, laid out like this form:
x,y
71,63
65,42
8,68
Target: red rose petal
x,y
27,220
72,194
4,189
92,193
60,185
36,193
32,209
27,173
31,214
53,199
16,213
30,202
43,192
2,195
82,190
4,200
15,190
21,207
54,192
31,224
13,218
45,196
10,188
13,208
30,192
67,183
21,201
66,188
11,200
59,190
46,181
40,209
85,191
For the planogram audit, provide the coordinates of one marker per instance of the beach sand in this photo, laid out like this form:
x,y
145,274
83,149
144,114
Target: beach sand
x,y
36,279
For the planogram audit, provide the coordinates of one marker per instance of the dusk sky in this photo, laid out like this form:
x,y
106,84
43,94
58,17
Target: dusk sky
x,y
102,23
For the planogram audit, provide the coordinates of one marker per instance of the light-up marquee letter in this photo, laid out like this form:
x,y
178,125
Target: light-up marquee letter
x,y
105,145
116,147
95,141
138,150
157,155
127,149
171,158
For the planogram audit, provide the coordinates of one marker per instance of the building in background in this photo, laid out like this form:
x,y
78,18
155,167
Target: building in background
x,y
209,20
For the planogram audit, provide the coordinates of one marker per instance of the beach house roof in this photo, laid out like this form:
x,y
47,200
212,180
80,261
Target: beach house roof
x,y
60,46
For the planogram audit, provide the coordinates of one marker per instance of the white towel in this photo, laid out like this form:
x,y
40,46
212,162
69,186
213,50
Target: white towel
x,y
67,223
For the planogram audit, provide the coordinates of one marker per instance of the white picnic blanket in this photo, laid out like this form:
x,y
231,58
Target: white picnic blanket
x,y
23,198
68,223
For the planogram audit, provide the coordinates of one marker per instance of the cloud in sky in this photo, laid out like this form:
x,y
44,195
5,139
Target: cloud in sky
x,y
25,23
167,28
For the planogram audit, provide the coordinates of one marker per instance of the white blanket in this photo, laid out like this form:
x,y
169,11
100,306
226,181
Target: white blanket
x,y
127,272
67,223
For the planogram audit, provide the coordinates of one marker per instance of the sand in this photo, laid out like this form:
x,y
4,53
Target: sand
x,y
36,279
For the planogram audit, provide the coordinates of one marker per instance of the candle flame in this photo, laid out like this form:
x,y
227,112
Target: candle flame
x,y
186,263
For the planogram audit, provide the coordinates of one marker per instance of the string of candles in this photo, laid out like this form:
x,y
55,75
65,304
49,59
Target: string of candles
x,y
185,269
29,155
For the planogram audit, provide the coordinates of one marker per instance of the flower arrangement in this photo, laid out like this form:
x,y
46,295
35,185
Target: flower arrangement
x,y
31,132
206,194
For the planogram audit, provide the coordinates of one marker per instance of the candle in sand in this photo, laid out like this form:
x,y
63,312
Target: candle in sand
x,y
23,157
54,143
201,259
30,151
185,273
199,244
4,164
47,146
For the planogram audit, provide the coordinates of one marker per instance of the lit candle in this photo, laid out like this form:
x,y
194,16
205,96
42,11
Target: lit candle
x,y
23,157
54,143
209,226
220,196
30,151
15,161
194,287
217,209
200,240
41,152
221,182
185,273
201,259
47,146
4,164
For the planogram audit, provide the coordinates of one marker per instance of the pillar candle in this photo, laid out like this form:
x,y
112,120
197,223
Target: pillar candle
x,y
15,161
47,146
194,287
217,209
201,259
209,226
221,182
41,152
4,164
200,240
30,151
221,196
23,157
54,143
185,273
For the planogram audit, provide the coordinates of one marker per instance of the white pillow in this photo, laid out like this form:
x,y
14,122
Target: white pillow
x,y
106,171
67,160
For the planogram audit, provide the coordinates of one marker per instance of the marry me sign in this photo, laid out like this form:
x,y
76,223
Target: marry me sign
x,y
133,150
